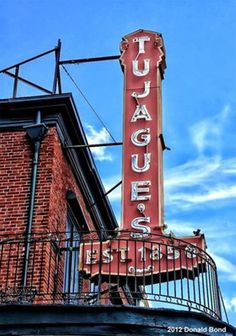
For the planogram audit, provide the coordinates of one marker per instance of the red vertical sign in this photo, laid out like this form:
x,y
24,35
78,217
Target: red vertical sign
x,y
142,200
142,249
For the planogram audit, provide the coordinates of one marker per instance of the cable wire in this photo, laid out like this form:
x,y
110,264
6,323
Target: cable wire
x,y
223,304
87,101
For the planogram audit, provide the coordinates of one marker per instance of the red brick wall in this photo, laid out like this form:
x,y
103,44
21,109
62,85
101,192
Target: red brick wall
x,y
15,172
54,178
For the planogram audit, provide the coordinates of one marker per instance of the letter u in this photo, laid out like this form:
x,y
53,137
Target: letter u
x,y
143,72
146,165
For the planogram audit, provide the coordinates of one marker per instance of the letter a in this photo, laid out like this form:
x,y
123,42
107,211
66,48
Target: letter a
x,y
141,112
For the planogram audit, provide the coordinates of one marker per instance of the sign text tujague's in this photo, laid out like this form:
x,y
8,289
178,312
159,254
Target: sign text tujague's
x,y
143,61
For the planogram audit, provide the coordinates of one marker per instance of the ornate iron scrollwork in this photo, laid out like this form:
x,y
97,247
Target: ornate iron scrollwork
x,y
18,295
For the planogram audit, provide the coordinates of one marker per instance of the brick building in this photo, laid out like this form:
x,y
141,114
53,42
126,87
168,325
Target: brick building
x,y
47,192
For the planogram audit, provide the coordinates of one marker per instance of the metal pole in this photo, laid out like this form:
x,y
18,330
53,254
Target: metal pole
x,y
16,81
56,80
31,210
96,145
36,133
28,60
26,81
92,59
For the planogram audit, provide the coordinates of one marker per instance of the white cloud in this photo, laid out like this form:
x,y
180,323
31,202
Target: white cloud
x,y
233,302
192,172
224,265
109,183
211,229
201,181
230,304
229,166
115,195
207,134
181,227
98,137
221,192
209,178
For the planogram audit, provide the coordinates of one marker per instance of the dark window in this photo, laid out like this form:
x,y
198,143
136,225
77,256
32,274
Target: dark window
x,y
76,225
71,273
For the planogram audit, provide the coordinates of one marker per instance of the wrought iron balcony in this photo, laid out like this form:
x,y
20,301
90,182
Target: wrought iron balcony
x,y
81,270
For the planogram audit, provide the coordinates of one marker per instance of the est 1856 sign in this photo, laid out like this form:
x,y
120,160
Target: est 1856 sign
x,y
143,63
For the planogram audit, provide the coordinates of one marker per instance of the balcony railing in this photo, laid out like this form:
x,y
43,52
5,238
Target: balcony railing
x,y
86,270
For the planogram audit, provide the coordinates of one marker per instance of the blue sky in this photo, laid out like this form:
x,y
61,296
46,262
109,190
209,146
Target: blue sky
x,y
199,101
